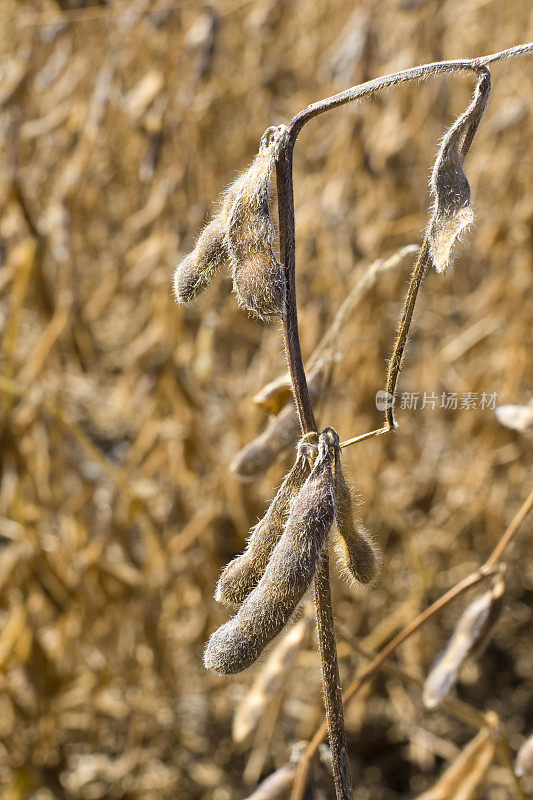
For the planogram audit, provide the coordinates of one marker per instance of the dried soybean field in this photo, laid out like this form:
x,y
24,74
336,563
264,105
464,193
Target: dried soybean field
x,y
121,411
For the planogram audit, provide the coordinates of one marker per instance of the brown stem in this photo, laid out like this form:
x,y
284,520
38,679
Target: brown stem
x,y
324,611
291,337
328,651
395,364
457,708
517,520
421,72
398,351
331,680
490,567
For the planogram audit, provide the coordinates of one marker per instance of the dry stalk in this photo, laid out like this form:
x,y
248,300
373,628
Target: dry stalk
x,y
489,568
461,779
266,287
457,708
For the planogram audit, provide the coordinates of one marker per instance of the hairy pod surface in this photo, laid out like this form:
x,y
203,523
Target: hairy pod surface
x,y
258,276
268,682
245,571
356,551
468,638
268,608
241,233
449,184
194,272
281,433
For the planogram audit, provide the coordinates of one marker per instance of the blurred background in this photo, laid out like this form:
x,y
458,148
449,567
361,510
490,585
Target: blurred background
x,y
120,412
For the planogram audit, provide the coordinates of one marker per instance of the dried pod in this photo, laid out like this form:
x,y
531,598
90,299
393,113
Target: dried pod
x,y
462,778
258,455
291,568
244,573
195,271
524,758
357,553
211,253
258,277
449,184
469,637
242,232
276,785
275,394
282,431
268,682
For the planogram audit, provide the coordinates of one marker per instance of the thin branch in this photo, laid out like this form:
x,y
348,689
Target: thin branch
x,y
457,708
490,567
284,164
425,258
398,352
422,72
509,534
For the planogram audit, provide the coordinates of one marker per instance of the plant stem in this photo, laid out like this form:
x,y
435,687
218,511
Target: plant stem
x,y
291,336
396,360
476,65
328,651
324,611
330,678
490,567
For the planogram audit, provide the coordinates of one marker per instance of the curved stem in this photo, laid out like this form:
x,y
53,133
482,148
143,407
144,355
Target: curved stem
x,y
421,72
328,650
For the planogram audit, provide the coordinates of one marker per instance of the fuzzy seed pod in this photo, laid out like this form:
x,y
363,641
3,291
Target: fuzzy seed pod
x,y
195,271
258,455
282,431
268,682
193,274
244,573
291,568
449,184
469,638
357,553
258,277
275,394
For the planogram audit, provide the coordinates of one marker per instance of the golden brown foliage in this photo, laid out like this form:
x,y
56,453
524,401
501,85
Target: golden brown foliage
x,y
120,123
